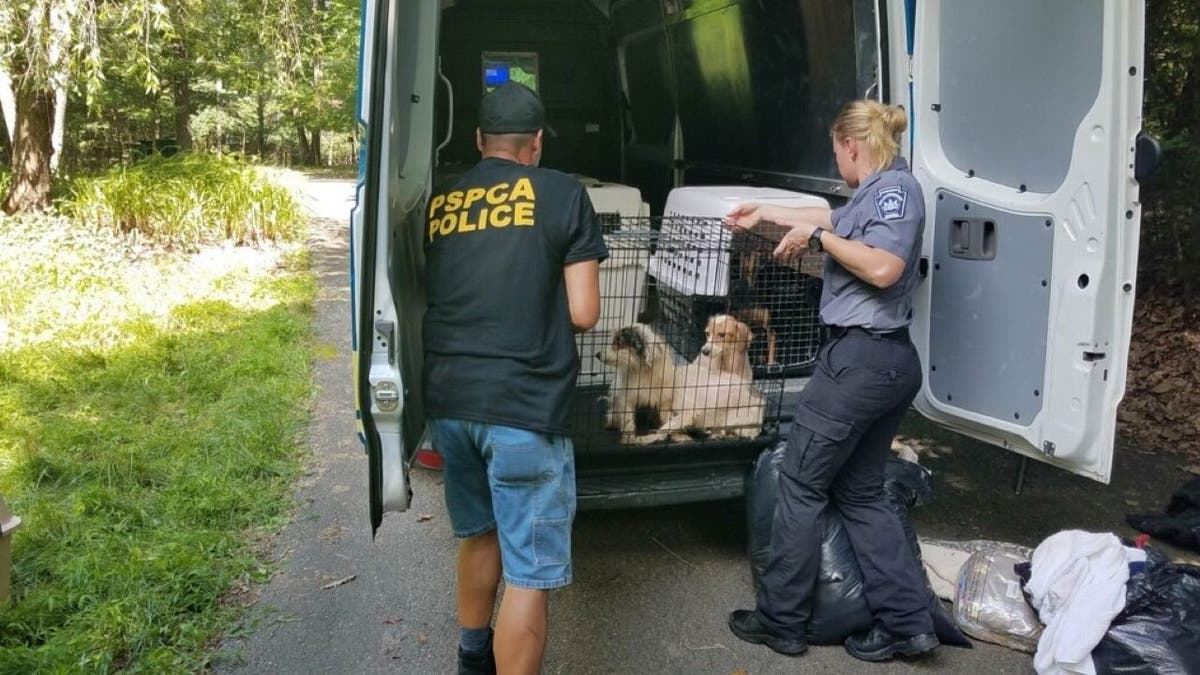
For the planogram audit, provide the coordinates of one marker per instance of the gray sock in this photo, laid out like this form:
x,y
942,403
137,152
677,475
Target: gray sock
x,y
474,639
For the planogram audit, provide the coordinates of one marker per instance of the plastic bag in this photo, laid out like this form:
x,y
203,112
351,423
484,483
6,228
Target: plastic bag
x,y
839,607
1180,525
1158,632
990,605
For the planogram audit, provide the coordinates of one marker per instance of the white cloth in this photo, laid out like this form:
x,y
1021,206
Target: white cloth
x,y
1077,584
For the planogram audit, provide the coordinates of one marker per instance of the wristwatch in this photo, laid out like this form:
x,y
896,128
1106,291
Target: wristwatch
x,y
814,240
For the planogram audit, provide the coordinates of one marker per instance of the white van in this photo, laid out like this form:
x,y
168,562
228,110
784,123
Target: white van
x,y
1024,133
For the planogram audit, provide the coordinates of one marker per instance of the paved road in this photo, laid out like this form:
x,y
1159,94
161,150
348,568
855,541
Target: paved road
x,y
652,589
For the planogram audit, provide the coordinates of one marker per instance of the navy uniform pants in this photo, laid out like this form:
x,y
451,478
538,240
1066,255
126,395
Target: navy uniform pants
x,y
840,439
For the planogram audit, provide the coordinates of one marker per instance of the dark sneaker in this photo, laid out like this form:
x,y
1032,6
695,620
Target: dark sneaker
x,y
880,644
482,662
748,626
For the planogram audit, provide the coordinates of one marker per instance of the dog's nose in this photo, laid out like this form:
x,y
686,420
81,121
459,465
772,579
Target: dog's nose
x,y
706,350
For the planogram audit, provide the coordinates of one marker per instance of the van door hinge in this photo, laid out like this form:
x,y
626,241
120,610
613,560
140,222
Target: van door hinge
x,y
387,333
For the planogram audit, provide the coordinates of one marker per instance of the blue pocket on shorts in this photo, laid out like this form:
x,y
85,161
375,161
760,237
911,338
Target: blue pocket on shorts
x,y
520,456
552,541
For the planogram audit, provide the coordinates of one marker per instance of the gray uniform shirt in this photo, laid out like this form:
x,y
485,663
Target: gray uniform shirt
x,y
887,212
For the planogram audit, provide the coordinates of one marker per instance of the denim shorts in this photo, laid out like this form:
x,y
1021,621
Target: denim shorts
x,y
518,482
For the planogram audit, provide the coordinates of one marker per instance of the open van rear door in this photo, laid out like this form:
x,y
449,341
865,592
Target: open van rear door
x,y
1025,119
396,101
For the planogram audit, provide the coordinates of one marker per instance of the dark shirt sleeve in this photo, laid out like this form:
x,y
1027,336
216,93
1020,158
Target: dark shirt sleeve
x,y
585,240
895,219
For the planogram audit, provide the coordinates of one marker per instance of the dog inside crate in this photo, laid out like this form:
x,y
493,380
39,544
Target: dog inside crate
x,y
697,321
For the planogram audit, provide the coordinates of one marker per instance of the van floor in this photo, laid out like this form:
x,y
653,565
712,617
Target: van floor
x,y
652,587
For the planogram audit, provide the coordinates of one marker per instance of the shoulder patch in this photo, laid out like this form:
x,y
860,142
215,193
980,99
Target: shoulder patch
x,y
890,203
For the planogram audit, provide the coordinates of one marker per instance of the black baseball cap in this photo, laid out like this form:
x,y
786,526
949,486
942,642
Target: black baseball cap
x,y
512,108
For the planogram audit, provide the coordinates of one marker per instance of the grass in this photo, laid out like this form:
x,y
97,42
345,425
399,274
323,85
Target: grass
x,y
188,200
152,411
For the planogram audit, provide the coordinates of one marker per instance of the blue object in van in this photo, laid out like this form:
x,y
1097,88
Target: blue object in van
x,y
494,76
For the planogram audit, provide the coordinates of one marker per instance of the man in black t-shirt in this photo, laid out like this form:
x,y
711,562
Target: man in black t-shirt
x,y
512,272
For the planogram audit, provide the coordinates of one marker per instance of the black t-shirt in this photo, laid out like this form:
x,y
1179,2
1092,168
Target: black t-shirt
x,y
499,344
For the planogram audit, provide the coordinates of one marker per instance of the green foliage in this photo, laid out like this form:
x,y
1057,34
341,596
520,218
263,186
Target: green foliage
x,y
1169,260
187,200
145,450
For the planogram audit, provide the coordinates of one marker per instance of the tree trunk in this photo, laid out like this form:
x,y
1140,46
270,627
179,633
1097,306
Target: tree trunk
x,y
60,123
30,189
8,104
314,152
304,146
262,126
181,89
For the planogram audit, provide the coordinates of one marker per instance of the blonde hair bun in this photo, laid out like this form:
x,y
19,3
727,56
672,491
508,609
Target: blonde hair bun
x,y
874,124
895,120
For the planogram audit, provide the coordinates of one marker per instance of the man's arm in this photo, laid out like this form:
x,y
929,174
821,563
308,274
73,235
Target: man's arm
x,y
583,293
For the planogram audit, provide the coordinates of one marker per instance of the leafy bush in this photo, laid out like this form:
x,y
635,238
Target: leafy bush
x,y
187,200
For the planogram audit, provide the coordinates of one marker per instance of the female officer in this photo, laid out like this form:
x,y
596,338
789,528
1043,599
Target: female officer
x,y
865,378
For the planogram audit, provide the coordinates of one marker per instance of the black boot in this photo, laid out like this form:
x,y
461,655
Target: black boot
x,y
880,644
748,626
482,662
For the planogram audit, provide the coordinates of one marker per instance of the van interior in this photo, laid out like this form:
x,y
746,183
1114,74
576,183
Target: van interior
x,y
655,94
1024,133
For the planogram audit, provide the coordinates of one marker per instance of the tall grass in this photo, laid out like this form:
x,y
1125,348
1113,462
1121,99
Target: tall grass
x,y
188,199
145,443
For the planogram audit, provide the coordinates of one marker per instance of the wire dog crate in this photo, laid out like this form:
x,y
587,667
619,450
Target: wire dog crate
x,y
698,324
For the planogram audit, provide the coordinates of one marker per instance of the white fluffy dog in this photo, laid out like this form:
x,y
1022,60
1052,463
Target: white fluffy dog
x,y
645,377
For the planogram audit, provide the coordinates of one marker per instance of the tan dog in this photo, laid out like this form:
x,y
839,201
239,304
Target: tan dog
x,y
728,346
715,395
645,377
713,403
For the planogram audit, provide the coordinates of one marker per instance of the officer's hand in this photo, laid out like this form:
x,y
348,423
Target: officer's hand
x,y
795,243
745,216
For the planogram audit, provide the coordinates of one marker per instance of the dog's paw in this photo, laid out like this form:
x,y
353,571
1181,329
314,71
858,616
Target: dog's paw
x,y
648,439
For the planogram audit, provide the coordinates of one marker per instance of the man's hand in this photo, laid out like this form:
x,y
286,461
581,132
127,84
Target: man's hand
x,y
795,243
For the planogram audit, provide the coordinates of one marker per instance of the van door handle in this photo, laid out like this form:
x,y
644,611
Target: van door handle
x,y
449,110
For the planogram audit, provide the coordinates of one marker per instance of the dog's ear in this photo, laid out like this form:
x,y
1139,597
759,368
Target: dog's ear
x,y
745,336
626,337
635,340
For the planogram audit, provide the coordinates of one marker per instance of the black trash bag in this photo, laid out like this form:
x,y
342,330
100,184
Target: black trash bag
x,y
1158,632
1180,525
839,607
